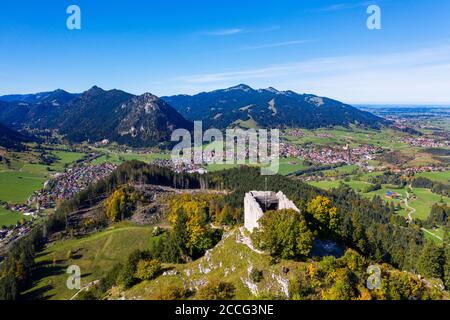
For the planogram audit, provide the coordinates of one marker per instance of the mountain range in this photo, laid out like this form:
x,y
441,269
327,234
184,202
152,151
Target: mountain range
x,y
146,120
95,115
246,107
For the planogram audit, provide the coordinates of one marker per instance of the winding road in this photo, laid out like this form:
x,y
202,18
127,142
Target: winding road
x,y
412,211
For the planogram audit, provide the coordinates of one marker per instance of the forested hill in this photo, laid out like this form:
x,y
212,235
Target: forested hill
x,y
247,107
11,139
368,226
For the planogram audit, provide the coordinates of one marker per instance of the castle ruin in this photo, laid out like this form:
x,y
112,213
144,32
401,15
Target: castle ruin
x,y
258,202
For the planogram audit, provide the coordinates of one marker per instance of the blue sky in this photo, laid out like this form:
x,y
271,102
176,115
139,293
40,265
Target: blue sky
x,y
187,46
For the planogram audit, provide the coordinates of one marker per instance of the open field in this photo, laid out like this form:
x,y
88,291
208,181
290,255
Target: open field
x,y
8,218
386,138
290,165
435,235
26,175
17,186
443,177
327,185
118,158
94,254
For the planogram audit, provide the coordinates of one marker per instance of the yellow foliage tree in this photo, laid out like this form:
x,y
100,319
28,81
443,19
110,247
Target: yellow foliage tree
x,y
324,215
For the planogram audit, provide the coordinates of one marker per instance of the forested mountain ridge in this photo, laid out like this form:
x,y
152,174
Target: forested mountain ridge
x,y
247,107
57,97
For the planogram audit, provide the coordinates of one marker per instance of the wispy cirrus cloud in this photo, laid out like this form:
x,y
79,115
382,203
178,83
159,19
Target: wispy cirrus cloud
x,y
222,32
277,44
343,6
234,31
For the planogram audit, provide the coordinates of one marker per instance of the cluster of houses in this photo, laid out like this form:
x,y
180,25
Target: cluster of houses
x,y
65,185
179,166
331,155
9,235
414,170
425,142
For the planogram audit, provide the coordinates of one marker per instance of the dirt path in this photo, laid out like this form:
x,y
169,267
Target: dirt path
x,y
410,216
411,209
86,287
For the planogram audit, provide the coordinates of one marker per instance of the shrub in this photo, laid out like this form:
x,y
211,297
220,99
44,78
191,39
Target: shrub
x,y
147,269
256,275
217,290
173,292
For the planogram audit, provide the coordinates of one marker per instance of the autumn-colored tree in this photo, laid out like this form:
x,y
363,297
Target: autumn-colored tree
x,y
398,285
342,287
147,269
283,233
190,214
323,216
217,290
120,204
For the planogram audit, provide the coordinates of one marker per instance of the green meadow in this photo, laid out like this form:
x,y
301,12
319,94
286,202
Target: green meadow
x,y
118,158
443,177
17,186
95,254
9,218
424,198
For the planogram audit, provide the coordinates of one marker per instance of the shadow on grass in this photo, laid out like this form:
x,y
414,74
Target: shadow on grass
x,y
38,294
48,270
43,270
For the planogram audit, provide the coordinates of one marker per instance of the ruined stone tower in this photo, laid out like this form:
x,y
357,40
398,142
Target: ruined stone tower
x,y
258,202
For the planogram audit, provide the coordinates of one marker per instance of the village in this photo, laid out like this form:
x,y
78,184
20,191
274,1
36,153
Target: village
x,y
331,155
65,185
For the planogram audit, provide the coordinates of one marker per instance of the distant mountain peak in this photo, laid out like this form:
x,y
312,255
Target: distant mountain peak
x,y
241,86
148,96
95,90
273,90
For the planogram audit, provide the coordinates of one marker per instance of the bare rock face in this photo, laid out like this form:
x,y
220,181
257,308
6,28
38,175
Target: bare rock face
x,y
148,118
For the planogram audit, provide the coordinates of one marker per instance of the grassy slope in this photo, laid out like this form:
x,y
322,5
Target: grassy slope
x,y
229,261
97,253
94,254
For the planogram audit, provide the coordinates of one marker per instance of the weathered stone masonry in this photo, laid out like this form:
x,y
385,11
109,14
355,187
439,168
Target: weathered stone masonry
x,y
258,202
